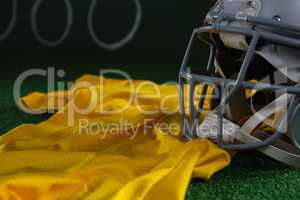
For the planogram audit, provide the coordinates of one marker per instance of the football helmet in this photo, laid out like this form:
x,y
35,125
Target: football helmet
x,y
254,72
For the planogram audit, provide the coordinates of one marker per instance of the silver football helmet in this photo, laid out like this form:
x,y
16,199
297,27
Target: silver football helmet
x,y
249,40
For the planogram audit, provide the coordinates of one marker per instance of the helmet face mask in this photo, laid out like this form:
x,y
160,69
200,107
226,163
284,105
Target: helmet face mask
x,y
246,45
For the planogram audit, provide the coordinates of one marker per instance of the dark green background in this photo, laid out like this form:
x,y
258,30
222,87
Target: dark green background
x,y
164,32
155,54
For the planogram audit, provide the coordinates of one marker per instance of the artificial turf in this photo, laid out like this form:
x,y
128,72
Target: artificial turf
x,y
251,175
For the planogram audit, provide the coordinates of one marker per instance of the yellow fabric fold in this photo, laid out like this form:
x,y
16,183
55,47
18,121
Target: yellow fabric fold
x,y
131,153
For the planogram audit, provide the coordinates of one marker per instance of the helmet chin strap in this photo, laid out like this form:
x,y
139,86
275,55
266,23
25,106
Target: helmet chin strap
x,y
280,150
